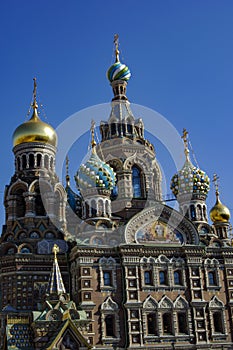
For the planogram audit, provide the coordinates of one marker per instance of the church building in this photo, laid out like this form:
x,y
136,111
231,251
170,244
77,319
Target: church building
x,y
129,272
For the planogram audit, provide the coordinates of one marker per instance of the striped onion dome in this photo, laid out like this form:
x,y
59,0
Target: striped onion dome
x,y
95,174
118,71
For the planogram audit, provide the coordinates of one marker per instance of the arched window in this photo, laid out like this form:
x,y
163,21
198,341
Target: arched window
x,y
151,324
163,277
31,161
182,323
192,212
107,278
129,128
167,323
24,161
177,278
148,278
93,208
109,326
136,181
212,278
113,129
38,160
46,161
218,322
18,163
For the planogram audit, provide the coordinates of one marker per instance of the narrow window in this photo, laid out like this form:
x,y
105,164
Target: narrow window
x,y
148,278
177,278
107,278
46,161
38,160
24,161
162,277
192,212
18,163
212,278
136,180
151,324
167,323
113,129
109,326
31,161
182,323
218,324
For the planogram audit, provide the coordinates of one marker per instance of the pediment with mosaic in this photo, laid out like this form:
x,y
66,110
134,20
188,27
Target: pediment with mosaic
x,y
160,225
158,232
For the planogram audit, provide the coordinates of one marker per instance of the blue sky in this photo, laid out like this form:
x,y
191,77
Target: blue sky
x,y
180,54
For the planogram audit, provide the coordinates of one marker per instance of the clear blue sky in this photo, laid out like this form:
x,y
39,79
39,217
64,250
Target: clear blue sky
x,y
180,54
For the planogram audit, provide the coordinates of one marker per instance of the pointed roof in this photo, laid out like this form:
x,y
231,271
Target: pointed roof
x,y
78,338
56,284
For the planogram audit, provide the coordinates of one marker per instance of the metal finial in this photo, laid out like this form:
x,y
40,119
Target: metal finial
x,y
215,181
185,139
34,105
55,251
116,43
67,172
93,143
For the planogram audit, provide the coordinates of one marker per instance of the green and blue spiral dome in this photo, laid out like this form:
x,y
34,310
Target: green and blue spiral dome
x,y
190,179
118,71
95,174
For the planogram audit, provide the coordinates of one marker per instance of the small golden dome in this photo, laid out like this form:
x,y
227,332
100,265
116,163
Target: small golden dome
x,y
34,130
219,213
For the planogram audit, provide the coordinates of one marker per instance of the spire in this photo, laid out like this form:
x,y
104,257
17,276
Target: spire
x,y
55,282
116,43
185,139
93,143
67,172
34,104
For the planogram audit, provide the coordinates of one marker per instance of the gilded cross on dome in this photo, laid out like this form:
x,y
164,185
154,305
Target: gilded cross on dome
x,y
93,143
67,172
34,89
215,181
116,43
185,139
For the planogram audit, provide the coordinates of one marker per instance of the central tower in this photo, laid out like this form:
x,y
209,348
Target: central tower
x,y
125,148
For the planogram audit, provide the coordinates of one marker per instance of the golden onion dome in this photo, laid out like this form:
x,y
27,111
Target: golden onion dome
x,y
35,130
219,213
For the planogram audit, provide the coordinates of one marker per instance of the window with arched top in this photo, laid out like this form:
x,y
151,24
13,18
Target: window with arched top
x,y
113,129
31,161
177,277
163,278
38,160
182,322
218,322
18,163
46,161
136,182
192,212
24,161
152,328
51,163
167,323
110,325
